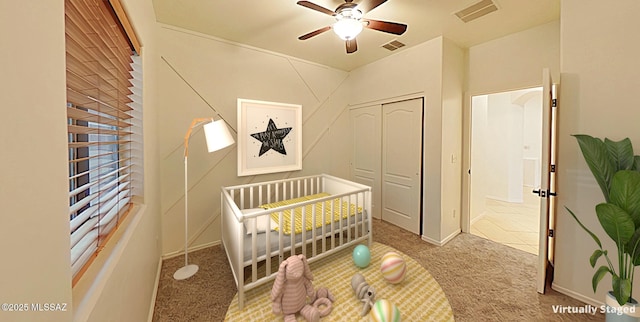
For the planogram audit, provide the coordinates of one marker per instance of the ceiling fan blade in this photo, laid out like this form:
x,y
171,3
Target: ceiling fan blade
x,y
368,5
352,45
316,7
386,26
314,33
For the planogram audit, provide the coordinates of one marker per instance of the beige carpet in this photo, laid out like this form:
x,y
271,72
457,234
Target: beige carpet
x,y
483,281
418,297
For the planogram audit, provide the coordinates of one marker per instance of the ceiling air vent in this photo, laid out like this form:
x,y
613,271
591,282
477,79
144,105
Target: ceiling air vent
x,y
393,45
477,10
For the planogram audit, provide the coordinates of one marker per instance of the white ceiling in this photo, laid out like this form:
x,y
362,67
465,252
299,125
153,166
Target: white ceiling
x,y
275,25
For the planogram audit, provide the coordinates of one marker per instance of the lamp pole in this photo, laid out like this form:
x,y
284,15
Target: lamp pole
x,y
187,270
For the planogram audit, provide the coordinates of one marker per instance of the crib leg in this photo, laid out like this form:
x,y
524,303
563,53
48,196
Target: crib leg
x,y
240,300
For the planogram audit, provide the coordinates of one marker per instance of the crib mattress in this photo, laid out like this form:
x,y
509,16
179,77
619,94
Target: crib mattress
x,y
261,238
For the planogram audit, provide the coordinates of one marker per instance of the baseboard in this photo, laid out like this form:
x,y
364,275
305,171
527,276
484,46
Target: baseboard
x,y
476,218
520,200
440,242
430,240
450,237
576,296
152,305
191,249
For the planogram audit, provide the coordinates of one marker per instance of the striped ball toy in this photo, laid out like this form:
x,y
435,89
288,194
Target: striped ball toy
x,y
384,311
393,267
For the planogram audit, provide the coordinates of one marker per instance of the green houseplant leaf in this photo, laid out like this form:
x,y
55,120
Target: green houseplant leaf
x,y
621,289
598,159
625,193
595,238
595,256
621,152
599,274
616,222
633,248
636,163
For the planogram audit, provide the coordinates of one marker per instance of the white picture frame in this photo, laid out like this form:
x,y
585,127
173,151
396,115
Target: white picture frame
x,y
269,137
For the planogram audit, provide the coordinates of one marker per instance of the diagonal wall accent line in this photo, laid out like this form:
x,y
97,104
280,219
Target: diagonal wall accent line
x,y
323,102
199,95
181,145
197,182
303,80
311,146
205,225
216,214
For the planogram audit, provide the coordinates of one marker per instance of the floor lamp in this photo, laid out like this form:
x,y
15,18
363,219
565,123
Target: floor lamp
x,y
218,137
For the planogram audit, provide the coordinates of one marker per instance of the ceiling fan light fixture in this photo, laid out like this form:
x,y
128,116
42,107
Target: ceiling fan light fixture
x,y
346,12
347,28
349,21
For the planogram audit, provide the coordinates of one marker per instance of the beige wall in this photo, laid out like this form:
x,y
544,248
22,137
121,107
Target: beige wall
x,y
598,96
419,72
514,61
34,222
34,231
194,65
452,95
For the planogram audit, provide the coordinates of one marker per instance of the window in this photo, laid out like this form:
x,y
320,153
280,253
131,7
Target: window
x,y
104,122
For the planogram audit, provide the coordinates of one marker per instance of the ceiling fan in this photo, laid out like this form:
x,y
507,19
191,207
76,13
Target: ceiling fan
x,y
350,21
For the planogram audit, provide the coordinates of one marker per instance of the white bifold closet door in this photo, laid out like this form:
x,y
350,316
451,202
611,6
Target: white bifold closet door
x,y
387,156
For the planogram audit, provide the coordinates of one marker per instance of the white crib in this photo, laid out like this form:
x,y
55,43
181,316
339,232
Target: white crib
x,y
256,243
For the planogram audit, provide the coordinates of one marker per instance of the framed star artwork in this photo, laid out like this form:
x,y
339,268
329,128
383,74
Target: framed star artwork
x,y
269,137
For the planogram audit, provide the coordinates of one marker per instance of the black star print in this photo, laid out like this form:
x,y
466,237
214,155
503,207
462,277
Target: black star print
x,y
272,138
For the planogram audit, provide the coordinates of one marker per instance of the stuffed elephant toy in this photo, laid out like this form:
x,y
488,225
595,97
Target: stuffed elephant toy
x,y
364,292
291,289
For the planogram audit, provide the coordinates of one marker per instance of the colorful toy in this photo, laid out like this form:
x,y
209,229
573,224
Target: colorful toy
x,y
393,267
291,288
364,292
361,256
384,311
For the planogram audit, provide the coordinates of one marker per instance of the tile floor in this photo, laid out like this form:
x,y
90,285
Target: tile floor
x,y
511,224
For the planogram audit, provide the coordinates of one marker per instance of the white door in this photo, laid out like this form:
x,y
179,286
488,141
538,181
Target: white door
x,y
366,123
402,163
547,180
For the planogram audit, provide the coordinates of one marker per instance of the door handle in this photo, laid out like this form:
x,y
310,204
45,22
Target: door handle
x,y
540,193
543,193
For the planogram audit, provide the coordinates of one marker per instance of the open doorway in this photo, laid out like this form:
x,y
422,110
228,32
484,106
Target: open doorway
x,y
506,144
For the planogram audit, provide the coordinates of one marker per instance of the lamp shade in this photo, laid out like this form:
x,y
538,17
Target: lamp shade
x,y
347,28
217,135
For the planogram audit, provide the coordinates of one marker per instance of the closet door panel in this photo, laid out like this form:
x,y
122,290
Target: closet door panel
x,y
401,163
366,124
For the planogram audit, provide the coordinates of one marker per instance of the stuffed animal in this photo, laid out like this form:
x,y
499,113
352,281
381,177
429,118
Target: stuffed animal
x,y
364,292
323,300
291,288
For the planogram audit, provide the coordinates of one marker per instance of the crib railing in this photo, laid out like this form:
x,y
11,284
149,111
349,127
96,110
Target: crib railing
x,y
252,195
314,244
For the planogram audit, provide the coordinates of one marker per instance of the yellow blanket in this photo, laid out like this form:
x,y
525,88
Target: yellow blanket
x,y
286,215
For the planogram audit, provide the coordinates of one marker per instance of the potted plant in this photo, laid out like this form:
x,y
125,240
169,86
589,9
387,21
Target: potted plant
x,y
617,172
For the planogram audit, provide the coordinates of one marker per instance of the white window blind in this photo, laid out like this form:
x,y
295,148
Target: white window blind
x,y
104,82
